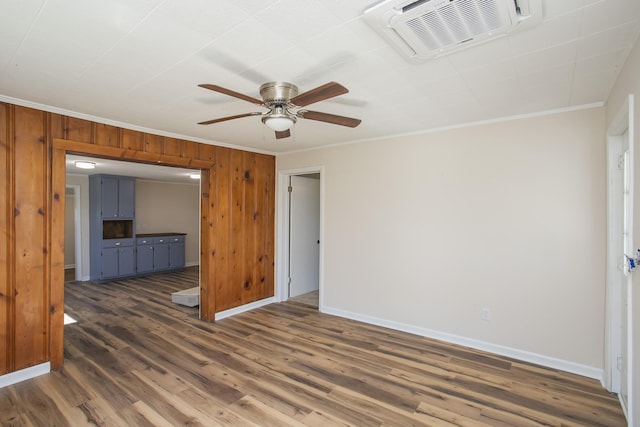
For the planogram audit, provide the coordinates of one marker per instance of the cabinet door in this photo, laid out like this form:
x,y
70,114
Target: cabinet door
x,y
176,255
160,256
126,198
144,258
109,197
109,263
126,261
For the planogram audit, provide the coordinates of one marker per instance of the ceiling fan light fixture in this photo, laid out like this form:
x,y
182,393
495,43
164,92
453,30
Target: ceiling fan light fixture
x,y
279,124
279,119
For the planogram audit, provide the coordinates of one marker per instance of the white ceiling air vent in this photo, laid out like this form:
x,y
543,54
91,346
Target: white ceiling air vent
x,y
425,29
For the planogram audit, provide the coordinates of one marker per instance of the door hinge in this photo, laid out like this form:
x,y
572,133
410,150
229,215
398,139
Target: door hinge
x,y
289,281
620,263
290,189
619,363
620,162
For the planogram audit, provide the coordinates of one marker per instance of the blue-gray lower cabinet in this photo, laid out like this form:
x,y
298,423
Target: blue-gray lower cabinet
x,y
117,262
176,252
160,253
144,255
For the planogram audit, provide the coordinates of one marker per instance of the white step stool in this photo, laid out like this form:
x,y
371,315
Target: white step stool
x,y
189,297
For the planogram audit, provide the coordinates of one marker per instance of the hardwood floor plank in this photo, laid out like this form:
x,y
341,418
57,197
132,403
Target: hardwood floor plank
x,y
136,359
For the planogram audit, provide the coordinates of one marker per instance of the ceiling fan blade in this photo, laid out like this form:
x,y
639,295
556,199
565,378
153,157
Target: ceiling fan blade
x,y
283,134
326,91
329,118
224,119
230,92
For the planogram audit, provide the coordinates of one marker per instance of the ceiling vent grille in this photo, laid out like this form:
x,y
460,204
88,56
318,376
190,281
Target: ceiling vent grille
x,y
427,29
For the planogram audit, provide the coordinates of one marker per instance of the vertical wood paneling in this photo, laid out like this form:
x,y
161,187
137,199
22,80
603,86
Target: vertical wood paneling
x,y
6,321
56,303
269,226
250,288
237,222
153,143
206,152
106,135
31,282
190,149
172,146
222,228
207,247
263,266
78,130
131,139
234,290
56,126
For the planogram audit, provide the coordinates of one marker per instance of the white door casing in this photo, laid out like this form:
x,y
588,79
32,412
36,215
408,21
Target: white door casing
x,y
618,333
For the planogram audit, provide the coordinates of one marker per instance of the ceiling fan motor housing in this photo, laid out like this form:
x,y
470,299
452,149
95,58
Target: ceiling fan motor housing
x,y
278,93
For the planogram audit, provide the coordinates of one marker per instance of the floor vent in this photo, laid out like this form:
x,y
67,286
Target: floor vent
x,y
426,29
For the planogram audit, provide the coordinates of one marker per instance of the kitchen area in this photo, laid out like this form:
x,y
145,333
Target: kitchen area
x,y
127,220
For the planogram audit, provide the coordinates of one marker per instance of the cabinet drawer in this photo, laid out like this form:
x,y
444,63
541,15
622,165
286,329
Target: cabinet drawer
x,y
115,243
143,241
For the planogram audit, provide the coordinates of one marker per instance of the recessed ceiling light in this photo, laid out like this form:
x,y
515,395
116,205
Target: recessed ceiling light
x,y
84,165
194,176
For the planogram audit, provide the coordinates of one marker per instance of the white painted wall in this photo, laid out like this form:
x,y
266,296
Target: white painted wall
x,y
170,207
83,182
424,231
629,83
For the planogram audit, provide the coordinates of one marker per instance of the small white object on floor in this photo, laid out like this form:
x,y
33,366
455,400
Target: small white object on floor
x,y
68,319
189,297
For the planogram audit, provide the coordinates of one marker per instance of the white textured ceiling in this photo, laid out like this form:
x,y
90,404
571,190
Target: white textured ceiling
x,y
138,62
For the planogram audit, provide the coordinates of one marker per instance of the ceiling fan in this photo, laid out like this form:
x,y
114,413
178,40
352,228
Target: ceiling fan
x,y
285,105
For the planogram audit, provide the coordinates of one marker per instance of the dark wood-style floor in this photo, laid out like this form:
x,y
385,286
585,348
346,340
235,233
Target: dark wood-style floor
x,y
134,358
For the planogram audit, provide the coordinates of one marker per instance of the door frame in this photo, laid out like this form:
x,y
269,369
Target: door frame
x,y
60,148
622,122
282,233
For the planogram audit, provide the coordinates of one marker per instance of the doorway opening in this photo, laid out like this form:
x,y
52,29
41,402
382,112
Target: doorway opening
x,y
300,242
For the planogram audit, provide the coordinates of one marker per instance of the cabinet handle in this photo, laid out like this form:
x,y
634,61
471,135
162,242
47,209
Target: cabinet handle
x,y
161,240
118,244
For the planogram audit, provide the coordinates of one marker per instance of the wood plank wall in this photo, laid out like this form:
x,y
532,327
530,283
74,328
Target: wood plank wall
x,y
237,222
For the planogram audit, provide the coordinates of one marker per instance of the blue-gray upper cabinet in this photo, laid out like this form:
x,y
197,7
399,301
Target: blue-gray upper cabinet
x,y
117,197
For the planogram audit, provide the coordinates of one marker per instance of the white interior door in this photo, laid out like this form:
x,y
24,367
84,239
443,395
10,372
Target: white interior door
x,y
304,234
626,275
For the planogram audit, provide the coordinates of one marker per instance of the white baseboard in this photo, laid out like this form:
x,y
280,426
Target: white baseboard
x,y
192,264
66,267
237,310
526,356
24,374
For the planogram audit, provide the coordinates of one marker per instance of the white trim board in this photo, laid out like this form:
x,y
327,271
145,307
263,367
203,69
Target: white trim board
x,y
24,374
241,309
525,356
